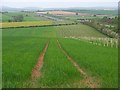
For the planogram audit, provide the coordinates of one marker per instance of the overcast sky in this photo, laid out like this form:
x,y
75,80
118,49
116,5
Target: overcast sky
x,y
59,3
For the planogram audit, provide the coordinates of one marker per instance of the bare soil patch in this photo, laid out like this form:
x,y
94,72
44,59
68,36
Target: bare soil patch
x,y
63,13
36,70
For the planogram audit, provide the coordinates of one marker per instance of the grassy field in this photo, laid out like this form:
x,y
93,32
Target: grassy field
x,y
23,46
28,16
26,46
104,12
27,57
78,31
96,60
58,71
80,17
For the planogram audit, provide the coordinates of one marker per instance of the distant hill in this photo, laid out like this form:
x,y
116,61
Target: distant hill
x,y
87,9
10,9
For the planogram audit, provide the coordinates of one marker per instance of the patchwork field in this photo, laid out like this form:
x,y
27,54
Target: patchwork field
x,y
65,63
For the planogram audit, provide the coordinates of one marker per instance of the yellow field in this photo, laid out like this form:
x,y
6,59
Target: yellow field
x,y
20,24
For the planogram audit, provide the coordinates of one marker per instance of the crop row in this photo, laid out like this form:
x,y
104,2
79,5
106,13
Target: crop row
x,y
100,62
17,65
57,70
26,45
79,30
21,49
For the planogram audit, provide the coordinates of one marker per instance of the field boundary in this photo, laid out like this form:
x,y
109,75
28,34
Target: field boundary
x,y
36,70
88,80
108,42
40,26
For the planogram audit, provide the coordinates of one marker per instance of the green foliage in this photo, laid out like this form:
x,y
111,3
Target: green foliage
x,y
110,20
102,28
104,12
18,18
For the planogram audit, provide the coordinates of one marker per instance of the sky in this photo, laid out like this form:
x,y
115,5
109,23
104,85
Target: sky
x,y
59,3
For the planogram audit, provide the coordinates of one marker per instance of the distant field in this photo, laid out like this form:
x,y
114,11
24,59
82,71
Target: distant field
x,y
20,24
63,13
80,17
79,30
28,16
104,12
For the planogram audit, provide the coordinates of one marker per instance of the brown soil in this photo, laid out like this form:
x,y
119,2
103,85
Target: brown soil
x,y
36,71
65,13
88,80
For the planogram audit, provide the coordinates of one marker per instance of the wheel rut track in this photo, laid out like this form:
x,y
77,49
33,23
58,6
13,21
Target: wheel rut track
x,y
36,70
88,80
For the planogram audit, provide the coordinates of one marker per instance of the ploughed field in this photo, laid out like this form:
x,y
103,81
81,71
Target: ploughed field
x,y
43,57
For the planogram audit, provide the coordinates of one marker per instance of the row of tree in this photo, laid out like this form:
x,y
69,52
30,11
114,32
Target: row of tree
x,y
18,18
110,20
102,29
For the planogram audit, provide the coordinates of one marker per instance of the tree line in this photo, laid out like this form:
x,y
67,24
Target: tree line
x,y
18,18
100,26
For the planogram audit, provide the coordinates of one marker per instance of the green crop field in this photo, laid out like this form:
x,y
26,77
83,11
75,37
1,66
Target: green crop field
x,y
105,12
27,16
78,31
97,60
80,17
57,70
65,63
26,44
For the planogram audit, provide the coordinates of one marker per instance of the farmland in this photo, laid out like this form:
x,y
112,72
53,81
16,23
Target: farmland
x,y
102,12
60,73
78,31
61,56
28,16
25,40
24,24
99,68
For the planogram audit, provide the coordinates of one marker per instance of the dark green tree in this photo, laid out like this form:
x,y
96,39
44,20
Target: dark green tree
x,y
18,18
